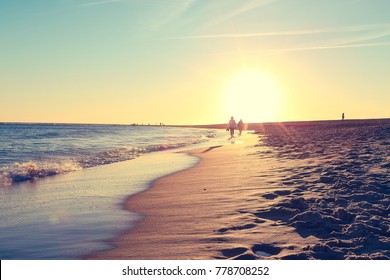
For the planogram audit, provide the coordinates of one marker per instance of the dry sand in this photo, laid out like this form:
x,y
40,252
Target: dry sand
x,y
313,191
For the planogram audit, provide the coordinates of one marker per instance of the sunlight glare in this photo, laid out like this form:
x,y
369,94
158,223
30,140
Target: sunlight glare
x,y
252,95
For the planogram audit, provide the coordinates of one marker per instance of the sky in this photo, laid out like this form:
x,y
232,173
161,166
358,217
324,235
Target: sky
x,y
193,61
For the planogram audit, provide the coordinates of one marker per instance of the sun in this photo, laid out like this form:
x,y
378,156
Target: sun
x,y
252,95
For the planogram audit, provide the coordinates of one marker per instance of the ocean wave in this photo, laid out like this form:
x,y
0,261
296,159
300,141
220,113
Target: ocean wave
x,y
35,169
24,171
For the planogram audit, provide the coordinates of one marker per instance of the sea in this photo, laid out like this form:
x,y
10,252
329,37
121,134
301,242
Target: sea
x,y
62,186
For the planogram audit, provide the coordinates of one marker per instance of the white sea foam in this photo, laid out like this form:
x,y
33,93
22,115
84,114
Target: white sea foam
x,y
36,151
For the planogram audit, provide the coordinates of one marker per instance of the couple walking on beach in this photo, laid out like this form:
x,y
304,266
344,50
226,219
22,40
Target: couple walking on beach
x,y
233,125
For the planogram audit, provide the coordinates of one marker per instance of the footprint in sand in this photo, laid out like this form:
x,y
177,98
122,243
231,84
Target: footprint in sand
x,y
229,253
265,250
283,192
247,226
270,196
239,253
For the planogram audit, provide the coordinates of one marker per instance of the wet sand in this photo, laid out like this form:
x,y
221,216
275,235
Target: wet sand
x,y
312,191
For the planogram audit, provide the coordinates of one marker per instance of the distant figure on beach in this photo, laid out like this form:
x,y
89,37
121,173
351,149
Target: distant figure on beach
x,y
342,116
240,127
232,126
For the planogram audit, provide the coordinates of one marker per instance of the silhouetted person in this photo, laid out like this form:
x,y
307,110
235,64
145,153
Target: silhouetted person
x,y
342,116
232,126
240,126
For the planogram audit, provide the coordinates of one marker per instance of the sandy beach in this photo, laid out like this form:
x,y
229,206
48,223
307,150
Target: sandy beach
x,y
292,191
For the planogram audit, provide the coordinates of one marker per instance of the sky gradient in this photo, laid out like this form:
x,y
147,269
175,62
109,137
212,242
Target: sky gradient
x,y
193,61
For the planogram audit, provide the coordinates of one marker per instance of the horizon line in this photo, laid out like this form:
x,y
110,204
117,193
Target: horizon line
x,y
168,125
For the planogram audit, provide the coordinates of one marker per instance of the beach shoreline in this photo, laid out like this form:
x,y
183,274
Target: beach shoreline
x,y
293,192
77,212
186,214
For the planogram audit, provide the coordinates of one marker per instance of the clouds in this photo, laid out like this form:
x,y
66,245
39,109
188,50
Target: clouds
x,y
238,8
347,37
168,12
272,26
354,36
384,29
252,25
341,46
